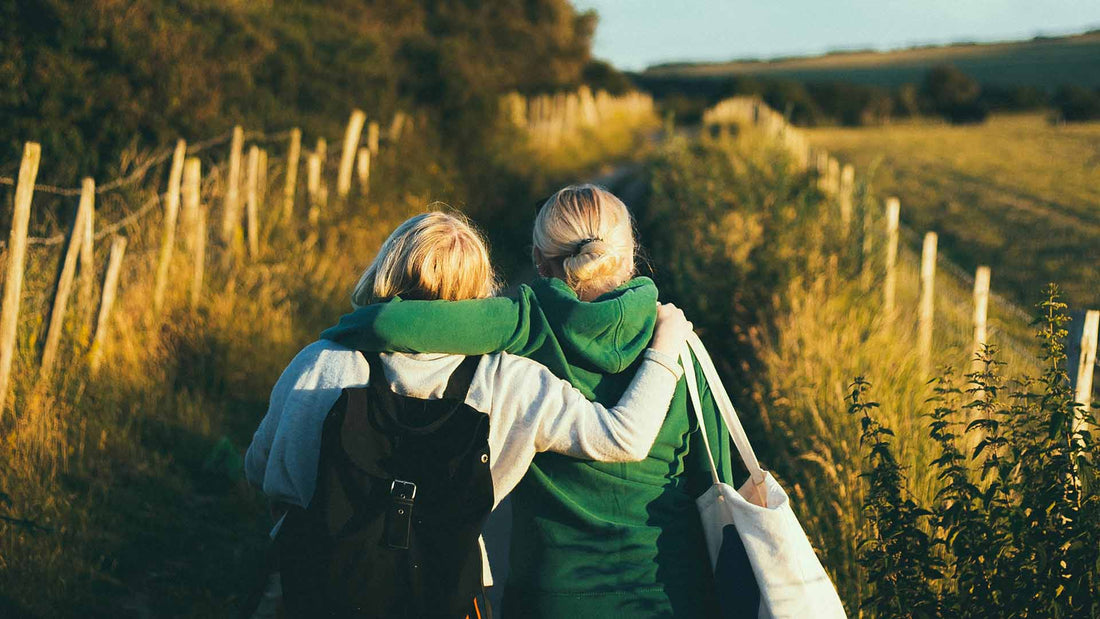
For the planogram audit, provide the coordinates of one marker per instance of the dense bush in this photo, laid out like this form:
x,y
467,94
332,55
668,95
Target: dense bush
x,y
1014,529
1076,104
954,95
91,79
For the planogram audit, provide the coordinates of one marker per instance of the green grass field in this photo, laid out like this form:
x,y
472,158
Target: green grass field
x,y
1044,63
1015,193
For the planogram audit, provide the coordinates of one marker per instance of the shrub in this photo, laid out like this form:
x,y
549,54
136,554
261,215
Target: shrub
x,y
1077,104
1017,519
954,95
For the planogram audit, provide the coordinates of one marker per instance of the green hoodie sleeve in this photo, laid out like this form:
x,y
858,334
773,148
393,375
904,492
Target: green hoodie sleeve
x,y
473,327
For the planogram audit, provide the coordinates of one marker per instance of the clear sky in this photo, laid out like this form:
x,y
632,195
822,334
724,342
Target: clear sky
x,y
636,33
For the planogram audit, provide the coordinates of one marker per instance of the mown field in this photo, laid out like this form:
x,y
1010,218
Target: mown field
x,y
1044,63
1016,193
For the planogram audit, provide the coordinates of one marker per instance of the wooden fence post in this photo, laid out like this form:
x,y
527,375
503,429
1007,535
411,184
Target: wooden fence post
x,y
293,156
261,179
231,217
347,156
868,248
110,288
927,300
847,188
362,163
398,124
889,287
1086,361
87,250
250,200
372,137
981,308
65,283
317,193
832,177
198,244
191,194
171,214
17,254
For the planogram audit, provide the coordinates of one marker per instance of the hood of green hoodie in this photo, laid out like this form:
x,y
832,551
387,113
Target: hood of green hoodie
x,y
605,335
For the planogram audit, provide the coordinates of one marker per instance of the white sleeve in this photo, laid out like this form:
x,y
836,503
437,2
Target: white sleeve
x,y
529,399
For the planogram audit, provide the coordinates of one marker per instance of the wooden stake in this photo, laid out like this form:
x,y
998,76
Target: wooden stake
x,y
261,180
981,308
398,124
251,199
316,197
198,244
847,188
832,186
65,284
372,137
231,217
292,161
110,288
1086,362
17,254
363,169
866,274
927,300
347,157
168,237
893,211
191,192
87,251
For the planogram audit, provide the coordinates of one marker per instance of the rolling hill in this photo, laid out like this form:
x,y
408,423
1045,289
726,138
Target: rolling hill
x,y
1041,62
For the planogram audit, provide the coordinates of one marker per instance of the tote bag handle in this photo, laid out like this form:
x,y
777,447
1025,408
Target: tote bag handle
x,y
726,409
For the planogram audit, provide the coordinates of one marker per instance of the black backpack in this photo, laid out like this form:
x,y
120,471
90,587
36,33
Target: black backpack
x,y
403,491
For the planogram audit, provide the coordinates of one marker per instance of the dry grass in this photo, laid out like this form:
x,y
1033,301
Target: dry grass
x,y
130,479
1016,193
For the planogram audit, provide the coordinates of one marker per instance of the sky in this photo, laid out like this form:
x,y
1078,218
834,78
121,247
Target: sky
x,y
633,34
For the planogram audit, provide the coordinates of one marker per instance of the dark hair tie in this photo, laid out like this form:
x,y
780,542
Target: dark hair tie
x,y
580,244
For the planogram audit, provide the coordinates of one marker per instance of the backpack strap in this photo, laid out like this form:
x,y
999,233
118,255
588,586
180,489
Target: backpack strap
x,y
461,379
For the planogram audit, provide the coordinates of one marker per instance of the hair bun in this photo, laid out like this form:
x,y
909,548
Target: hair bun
x,y
593,262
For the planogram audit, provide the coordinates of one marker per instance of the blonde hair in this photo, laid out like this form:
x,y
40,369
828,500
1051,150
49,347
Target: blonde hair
x,y
430,256
591,232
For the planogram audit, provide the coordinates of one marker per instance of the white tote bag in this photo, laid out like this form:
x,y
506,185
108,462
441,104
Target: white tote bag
x,y
790,578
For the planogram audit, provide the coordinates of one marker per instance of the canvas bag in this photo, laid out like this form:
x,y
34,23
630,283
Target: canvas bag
x,y
755,521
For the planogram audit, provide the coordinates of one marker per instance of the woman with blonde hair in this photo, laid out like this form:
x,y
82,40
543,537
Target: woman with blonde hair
x,y
589,539
434,442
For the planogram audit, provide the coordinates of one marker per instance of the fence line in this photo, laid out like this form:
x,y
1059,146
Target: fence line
x,y
182,193
838,185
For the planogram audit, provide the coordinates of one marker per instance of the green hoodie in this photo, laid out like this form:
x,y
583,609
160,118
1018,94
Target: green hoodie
x,y
589,539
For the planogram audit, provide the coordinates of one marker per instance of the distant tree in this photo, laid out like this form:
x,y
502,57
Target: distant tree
x,y
1077,104
600,75
954,95
908,100
1014,98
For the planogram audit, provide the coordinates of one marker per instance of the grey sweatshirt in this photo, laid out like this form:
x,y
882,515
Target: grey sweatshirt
x,y
530,410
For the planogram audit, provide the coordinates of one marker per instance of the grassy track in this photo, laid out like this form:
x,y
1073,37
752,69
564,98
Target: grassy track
x,y
1016,193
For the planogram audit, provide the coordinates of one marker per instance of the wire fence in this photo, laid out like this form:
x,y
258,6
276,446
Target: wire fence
x,y
134,177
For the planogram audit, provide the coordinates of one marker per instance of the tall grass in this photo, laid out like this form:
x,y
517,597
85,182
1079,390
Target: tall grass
x,y
121,491
755,254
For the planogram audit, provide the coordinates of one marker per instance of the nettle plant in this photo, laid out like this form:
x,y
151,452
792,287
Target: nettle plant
x,y
1014,527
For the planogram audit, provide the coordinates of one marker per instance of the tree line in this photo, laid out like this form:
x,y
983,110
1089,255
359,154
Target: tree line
x,y
945,92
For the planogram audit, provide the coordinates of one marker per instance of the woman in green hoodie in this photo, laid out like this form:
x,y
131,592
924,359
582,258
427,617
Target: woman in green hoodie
x,y
589,539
